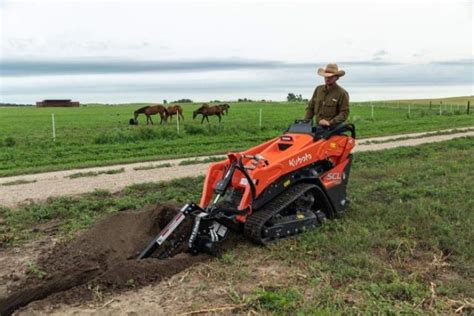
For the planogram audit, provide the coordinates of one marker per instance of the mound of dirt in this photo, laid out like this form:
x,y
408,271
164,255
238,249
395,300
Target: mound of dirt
x,y
103,257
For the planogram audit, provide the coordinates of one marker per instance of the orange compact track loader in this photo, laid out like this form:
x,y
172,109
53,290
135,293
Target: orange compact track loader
x,y
282,187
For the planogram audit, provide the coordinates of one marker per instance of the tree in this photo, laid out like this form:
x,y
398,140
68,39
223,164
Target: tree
x,y
294,97
244,100
183,101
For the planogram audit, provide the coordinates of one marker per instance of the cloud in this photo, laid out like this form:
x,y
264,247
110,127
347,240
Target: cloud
x,y
16,67
105,79
20,44
378,56
380,53
220,75
82,67
457,62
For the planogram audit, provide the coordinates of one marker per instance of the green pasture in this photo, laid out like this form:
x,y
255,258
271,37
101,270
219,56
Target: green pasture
x,y
438,101
95,135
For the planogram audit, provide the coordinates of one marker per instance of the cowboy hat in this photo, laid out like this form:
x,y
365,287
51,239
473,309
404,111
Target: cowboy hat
x,y
331,70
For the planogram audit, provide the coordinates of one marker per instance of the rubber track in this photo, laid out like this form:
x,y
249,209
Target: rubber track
x,y
255,222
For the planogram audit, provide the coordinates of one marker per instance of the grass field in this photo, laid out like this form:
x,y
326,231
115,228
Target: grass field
x,y
405,245
96,135
436,102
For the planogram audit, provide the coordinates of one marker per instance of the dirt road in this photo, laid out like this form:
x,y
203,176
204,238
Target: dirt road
x,y
58,183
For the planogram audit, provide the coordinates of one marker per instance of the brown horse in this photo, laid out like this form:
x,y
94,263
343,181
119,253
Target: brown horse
x,y
152,110
205,110
175,109
225,108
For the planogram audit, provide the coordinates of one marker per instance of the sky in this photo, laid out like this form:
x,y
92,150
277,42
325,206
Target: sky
x,y
130,51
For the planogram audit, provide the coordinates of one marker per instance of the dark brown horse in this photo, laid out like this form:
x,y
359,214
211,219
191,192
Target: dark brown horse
x,y
152,110
175,110
205,110
225,108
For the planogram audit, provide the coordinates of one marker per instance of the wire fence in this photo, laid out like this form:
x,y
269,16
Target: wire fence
x,y
82,125
413,108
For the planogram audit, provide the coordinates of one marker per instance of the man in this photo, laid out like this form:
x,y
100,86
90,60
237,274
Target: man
x,y
330,102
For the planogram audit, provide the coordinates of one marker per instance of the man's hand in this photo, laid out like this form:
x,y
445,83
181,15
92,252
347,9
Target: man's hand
x,y
323,122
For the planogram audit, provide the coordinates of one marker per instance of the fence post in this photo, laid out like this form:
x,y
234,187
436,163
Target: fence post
x,y
372,112
409,110
440,108
468,106
260,120
451,108
430,104
54,127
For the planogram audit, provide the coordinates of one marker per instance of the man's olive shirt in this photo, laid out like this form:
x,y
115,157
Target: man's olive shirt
x,y
331,104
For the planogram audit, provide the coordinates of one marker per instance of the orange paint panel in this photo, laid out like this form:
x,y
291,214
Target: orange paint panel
x,y
284,155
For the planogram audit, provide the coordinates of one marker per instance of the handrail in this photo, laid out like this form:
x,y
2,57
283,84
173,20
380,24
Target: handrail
x,y
339,129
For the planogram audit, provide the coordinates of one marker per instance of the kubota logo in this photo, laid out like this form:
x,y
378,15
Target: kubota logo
x,y
299,160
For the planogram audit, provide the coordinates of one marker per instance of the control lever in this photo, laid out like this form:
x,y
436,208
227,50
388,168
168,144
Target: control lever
x,y
257,158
